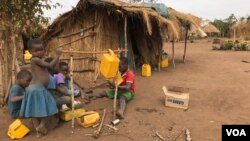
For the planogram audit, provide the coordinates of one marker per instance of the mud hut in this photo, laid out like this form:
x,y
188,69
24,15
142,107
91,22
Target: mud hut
x,y
211,30
240,30
94,26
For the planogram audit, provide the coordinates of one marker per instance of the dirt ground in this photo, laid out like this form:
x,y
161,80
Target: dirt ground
x,y
219,84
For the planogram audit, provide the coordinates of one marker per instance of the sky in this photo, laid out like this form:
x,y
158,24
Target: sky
x,y
206,9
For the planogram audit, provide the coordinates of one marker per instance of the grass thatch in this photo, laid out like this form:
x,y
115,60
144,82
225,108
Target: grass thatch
x,y
242,30
210,29
143,32
180,20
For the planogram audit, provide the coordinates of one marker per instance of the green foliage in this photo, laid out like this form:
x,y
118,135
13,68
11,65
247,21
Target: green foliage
x,y
227,46
19,15
232,46
224,25
241,47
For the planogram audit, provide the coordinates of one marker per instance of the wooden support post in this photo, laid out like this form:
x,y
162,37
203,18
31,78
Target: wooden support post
x,y
1,82
125,36
90,52
1,73
234,34
173,61
6,73
13,74
72,93
94,49
185,47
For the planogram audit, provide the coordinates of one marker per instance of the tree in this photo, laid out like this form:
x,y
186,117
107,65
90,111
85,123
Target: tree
x,y
248,19
231,20
242,19
16,17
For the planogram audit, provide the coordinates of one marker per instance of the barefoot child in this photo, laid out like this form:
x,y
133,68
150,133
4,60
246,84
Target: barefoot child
x,y
63,80
38,103
61,96
17,91
125,89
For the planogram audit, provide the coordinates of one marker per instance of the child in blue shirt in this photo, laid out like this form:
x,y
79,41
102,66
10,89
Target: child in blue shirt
x,y
17,91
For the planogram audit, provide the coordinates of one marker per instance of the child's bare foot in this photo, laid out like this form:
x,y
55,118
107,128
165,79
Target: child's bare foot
x,y
42,130
39,135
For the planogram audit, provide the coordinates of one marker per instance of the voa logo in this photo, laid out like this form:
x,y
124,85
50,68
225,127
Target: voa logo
x,y
236,132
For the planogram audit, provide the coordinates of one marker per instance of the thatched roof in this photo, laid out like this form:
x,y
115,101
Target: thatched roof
x,y
242,29
113,6
210,29
181,19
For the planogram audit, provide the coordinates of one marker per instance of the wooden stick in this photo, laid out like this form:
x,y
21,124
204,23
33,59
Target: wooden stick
x,y
115,98
186,36
93,34
125,36
97,133
72,93
1,81
90,52
94,47
158,135
79,58
111,127
173,60
84,70
13,74
179,134
81,30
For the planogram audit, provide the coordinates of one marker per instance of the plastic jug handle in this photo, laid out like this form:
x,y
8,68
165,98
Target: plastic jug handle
x,y
111,52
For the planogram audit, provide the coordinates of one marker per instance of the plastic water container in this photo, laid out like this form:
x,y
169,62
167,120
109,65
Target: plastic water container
x,y
90,120
146,70
27,56
67,115
109,64
17,130
164,63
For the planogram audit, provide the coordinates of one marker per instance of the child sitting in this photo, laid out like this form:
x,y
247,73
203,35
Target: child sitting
x,y
63,80
38,103
17,91
61,97
125,90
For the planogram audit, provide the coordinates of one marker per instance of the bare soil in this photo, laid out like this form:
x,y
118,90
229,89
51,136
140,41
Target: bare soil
x,y
219,84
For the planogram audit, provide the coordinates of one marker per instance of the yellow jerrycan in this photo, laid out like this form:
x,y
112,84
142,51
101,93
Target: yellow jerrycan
x,y
109,65
27,56
146,70
164,63
67,115
17,130
89,119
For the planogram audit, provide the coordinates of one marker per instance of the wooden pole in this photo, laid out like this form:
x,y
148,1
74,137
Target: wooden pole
x,y
90,52
173,61
1,74
185,47
6,69
94,49
125,36
234,34
72,93
115,97
1,82
13,74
